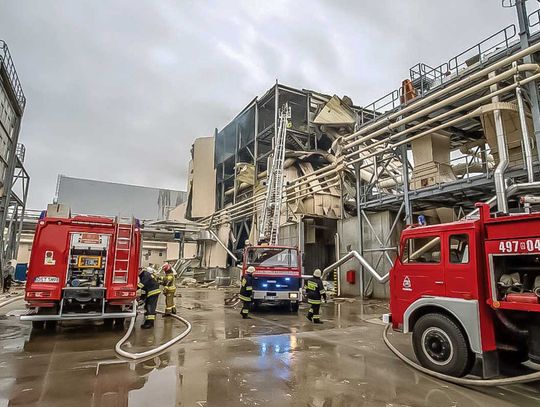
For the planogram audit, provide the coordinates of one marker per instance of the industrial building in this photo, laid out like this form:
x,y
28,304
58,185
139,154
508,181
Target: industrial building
x,y
355,176
84,196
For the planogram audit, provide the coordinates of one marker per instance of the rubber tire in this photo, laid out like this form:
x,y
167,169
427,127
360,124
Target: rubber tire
x,y
295,306
463,359
255,305
108,323
38,325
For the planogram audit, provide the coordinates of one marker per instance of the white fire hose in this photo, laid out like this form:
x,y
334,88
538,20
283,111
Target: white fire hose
x,y
118,347
531,377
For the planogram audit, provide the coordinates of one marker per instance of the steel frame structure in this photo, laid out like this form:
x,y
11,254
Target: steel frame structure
x,y
16,179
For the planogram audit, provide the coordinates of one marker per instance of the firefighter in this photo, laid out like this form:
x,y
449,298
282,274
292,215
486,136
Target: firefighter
x,y
246,292
315,293
169,290
149,294
8,274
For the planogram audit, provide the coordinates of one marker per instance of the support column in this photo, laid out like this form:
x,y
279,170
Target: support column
x,y
532,87
359,226
405,177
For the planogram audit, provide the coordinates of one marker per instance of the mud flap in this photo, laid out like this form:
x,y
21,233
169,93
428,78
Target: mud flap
x,y
490,364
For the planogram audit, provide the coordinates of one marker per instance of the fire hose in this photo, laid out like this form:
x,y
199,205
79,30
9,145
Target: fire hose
x,y
118,347
530,377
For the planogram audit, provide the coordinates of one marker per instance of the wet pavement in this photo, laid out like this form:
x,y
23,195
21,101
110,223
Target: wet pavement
x,y
275,359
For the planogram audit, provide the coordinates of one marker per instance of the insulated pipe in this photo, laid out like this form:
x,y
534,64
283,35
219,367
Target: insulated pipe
x,y
223,245
421,102
438,118
488,82
498,176
526,143
362,261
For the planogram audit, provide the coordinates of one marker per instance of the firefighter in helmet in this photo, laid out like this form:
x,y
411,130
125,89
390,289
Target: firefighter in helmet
x,y
169,290
315,293
246,291
149,294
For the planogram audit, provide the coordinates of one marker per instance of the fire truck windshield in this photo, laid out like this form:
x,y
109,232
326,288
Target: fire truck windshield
x,y
272,257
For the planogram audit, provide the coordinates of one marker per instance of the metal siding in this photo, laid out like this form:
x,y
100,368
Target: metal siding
x,y
111,199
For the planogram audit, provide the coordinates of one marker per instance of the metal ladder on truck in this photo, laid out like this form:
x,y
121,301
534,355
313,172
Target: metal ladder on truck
x,y
271,211
122,250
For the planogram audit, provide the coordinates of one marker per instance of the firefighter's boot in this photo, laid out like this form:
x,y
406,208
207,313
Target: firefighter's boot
x,y
147,324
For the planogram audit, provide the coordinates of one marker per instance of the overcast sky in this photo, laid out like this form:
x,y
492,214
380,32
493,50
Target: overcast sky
x,y
117,90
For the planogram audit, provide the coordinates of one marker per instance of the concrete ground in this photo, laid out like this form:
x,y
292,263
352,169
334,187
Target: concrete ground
x,y
275,359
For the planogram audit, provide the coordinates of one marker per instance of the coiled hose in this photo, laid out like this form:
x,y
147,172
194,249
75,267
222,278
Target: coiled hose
x,y
531,377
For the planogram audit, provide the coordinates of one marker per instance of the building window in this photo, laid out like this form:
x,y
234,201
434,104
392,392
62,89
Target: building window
x,y
160,254
459,249
422,250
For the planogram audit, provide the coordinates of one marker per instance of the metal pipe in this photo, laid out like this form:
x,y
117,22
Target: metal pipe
x,y
493,79
498,176
421,102
525,136
223,245
354,254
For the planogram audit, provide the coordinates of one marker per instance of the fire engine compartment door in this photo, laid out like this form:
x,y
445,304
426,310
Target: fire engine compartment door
x,y
460,278
420,270
87,261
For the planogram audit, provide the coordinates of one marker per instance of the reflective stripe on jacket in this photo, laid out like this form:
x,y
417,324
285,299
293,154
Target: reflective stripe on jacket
x,y
148,284
246,288
315,290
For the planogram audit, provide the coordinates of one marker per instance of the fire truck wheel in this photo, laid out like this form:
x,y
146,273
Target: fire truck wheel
x,y
440,345
294,306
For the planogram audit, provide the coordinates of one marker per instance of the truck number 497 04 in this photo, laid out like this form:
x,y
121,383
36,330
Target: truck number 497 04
x,y
514,246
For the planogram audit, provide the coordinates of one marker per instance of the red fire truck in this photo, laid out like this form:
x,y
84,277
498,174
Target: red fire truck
x,y
82,267
278,274
470,290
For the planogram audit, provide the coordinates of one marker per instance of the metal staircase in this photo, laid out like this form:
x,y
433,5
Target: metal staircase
x,y
271,211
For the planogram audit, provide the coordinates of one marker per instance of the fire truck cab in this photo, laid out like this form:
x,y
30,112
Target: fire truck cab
x,y
470,290
82,267
277,276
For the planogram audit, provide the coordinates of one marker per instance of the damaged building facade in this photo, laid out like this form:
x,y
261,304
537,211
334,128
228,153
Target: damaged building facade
x,y
356,176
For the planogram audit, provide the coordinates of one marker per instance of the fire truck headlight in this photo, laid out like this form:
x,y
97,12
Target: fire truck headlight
x,y
293,296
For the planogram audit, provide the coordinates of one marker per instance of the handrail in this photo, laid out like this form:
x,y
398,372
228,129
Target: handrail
x,y
6,62
453,62
423,72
